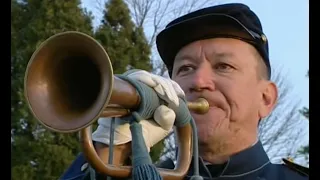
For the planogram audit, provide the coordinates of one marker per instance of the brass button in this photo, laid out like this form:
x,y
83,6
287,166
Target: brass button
x,y
264,38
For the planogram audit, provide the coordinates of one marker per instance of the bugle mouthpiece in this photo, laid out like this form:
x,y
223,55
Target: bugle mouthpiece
x,y
200,106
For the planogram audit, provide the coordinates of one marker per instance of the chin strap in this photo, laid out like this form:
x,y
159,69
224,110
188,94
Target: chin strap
x,y
142,165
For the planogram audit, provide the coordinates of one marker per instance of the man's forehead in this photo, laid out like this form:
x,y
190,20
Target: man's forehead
x,y
212,48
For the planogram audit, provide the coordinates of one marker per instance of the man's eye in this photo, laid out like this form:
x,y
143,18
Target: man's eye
x,y
185,69
223,67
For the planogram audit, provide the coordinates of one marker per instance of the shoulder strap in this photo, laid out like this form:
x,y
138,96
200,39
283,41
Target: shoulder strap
x,y
296,167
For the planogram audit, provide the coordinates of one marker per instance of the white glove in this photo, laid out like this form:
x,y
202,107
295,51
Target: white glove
x,y
153,131
167,89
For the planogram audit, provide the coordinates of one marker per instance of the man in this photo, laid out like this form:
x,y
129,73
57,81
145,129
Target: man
x,y
219,53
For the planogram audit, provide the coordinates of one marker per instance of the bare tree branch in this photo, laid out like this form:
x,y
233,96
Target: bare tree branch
x,y
140,10
281,131
99,5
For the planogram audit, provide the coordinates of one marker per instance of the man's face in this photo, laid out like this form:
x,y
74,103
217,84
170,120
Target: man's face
x,y
225,72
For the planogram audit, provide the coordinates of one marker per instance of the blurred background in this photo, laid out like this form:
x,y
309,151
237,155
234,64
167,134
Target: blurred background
x,y
127,30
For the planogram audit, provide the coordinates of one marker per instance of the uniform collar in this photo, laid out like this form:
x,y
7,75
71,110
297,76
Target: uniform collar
x,y
244,162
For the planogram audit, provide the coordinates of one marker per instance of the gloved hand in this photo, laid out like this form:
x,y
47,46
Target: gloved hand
x,y
167,89
164,117
153,131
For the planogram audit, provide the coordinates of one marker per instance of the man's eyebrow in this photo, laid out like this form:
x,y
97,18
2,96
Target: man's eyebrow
x,y
213,56
185,57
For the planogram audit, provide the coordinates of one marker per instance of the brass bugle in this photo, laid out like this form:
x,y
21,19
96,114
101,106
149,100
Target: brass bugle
x,y
69,84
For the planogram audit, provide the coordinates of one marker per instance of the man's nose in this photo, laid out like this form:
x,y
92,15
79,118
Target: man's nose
x,y
203,79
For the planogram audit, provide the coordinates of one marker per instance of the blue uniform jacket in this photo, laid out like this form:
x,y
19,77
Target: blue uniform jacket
x,y
250,164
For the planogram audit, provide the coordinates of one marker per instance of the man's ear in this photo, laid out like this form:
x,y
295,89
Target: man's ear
x,y
269,92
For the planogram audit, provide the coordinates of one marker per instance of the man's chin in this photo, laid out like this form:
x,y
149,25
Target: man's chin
x,y
210,127
205,132
211,120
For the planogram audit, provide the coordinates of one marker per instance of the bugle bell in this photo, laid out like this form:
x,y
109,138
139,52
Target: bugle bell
x,y
69,84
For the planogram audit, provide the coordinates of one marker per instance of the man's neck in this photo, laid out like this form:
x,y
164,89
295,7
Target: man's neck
x,y
221,153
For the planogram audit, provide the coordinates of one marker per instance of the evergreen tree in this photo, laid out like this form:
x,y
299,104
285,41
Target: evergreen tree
x,y
36,152
125,44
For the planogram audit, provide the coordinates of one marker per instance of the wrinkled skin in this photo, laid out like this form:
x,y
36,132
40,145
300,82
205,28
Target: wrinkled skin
x,y
226,72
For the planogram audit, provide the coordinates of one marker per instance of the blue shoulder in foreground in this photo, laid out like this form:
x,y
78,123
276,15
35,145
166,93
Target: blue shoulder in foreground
x,y
250,164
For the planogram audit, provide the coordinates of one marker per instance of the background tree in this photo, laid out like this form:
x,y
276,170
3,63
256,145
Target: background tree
x,y
42,154
282,132
38,153
124,42
305,149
